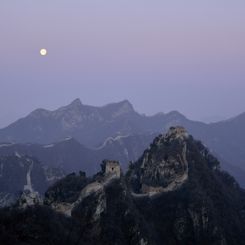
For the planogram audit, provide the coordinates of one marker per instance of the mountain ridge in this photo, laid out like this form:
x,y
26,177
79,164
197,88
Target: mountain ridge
x,y
92,126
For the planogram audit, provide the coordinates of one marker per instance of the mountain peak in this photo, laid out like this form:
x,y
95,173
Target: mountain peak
x,y
126,106
118,109
164,166
177,132
126,102
76,103
175,114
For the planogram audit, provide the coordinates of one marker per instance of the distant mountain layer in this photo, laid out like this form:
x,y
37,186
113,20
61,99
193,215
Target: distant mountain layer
x,y
71,156
90,125
95,126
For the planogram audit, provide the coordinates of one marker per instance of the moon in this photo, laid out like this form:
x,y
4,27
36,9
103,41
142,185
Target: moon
x,y
43,52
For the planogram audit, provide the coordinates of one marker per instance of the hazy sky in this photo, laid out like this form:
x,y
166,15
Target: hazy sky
x,y
161,55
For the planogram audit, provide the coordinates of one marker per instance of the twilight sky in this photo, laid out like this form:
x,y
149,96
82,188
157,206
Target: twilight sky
x,y
161,55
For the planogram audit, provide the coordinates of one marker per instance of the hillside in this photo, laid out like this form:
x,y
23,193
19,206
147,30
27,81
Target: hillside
x,y
174,194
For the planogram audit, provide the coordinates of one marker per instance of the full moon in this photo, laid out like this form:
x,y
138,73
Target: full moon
x,y
43,52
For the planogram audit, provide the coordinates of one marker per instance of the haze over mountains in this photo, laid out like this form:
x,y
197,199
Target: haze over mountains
x,y
88,124
116,131
72,156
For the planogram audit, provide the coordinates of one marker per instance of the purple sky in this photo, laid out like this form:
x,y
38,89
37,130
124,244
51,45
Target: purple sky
x,y
161,55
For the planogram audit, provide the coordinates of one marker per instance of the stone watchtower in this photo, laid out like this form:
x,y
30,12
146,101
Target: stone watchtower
x,y
111,168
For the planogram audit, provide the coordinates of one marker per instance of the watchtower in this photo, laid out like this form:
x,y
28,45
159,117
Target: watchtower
x,y
111,168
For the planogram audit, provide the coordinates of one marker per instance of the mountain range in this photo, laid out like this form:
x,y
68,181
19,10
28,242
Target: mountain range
x,y
71,156
117,131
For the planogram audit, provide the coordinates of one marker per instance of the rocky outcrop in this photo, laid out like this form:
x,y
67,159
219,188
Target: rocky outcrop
x,y
29,198
164,167
24,177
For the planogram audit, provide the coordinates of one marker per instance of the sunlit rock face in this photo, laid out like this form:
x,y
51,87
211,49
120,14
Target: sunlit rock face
x,y
164,166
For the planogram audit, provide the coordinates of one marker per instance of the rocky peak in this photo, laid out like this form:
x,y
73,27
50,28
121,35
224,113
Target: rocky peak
x,y
120,108
70,116
164,166
126,104
177,132
75,106
76,103
175,115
